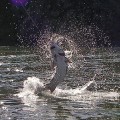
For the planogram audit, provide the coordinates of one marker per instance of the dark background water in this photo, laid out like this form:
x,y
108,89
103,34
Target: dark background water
x,y
73,18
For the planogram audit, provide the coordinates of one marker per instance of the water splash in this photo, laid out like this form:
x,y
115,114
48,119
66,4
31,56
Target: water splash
x,y
33,86
30,87
67,44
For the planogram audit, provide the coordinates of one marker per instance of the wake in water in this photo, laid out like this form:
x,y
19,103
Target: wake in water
x,y
33,87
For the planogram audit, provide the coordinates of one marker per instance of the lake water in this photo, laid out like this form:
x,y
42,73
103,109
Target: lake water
x,y
21,71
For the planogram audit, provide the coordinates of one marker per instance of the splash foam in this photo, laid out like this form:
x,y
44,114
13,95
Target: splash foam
x,y
34,85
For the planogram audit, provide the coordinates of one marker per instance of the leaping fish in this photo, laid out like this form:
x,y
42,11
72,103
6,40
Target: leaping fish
x,y
60,63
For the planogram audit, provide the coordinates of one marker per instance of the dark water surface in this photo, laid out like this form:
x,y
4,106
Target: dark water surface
x,y
99,101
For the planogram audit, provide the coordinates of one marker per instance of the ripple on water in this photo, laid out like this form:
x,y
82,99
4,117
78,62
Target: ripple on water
x,y
18,86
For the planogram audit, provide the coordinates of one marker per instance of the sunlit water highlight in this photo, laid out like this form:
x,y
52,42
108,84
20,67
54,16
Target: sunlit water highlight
x,y
90,91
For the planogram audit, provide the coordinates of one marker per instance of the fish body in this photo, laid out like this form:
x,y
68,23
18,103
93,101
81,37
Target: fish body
x,y
60,65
